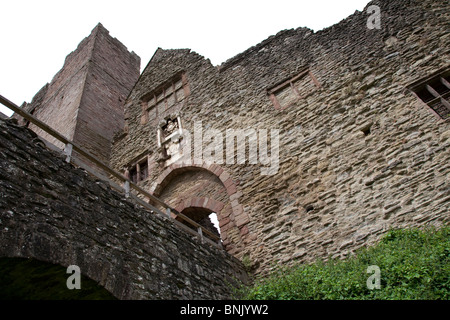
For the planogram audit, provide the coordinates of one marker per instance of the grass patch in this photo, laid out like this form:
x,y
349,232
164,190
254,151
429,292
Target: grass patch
x,y
414,264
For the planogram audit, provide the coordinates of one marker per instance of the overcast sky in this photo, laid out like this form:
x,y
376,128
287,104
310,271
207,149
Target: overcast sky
x,y
37,35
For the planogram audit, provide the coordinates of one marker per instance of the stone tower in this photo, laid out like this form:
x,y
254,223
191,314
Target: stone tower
x,y
84,101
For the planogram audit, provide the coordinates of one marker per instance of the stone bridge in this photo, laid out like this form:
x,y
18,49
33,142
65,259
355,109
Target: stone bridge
x,y
54,212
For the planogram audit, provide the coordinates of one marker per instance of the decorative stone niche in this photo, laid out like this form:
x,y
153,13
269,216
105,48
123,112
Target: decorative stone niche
x,y
169,136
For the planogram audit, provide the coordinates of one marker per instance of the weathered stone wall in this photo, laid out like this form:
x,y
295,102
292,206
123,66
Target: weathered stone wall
x,y
359,154
141,138
54,212
3,116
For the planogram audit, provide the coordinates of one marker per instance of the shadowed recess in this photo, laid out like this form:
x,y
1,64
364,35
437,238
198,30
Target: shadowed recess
x,y
30,279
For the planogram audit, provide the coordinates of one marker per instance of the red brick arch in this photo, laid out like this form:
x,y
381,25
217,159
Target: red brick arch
x,y
231,215
201,202
215,169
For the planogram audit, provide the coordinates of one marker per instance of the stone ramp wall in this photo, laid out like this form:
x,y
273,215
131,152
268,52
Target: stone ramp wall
x,y
54,212
359,153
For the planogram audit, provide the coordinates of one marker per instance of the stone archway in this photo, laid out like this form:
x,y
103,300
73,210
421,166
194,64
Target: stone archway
x,y
33,279
75,219
206,188
202,217
199,210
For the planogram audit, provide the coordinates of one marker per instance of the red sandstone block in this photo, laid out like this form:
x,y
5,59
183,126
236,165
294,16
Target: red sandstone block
x,y
175,166
235,196
217,170
224,176
199,202
231,190
242,220
223,236
223,223
209,203
224,230
202,202
228,183
215,206
244,231
218,206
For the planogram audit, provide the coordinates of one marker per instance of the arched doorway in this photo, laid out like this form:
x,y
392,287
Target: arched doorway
x,y
204,217
198,191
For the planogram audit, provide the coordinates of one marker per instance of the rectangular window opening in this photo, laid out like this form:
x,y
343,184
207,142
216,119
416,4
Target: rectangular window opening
x,y
139,171
166,96
143,174
133,175
288,92
435,93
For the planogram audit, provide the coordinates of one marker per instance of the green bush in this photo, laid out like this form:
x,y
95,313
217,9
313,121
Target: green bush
x,y
414,264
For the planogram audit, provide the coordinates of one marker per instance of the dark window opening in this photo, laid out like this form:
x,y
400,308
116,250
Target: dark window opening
x,y
440,88
425,95
139,171
143,174
435,92
133,175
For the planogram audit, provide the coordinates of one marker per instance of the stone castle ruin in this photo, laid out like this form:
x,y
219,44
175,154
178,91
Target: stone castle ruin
x,y
307,145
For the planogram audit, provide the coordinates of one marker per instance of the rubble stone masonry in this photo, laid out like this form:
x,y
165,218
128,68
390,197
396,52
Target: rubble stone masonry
x,y
359,153
54,212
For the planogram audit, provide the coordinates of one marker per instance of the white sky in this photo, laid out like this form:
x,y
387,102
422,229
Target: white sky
x,y
37,35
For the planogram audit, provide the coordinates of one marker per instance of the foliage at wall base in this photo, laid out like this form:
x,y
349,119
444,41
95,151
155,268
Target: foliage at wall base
x,y
414,264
